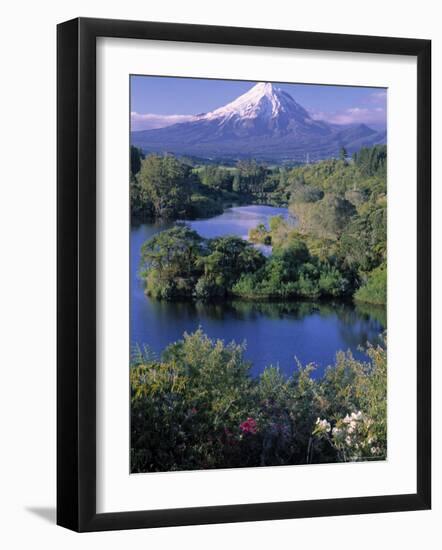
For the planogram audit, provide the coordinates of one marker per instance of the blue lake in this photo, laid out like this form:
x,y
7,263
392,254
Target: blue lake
x,y
275,333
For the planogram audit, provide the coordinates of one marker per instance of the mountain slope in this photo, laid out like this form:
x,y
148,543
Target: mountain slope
x,y
265,123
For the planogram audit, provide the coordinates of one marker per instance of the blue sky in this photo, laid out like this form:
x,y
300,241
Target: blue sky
x,y
161,101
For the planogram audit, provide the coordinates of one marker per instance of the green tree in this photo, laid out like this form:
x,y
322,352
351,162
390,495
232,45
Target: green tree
x,y
306,193
141,207
252,176
169,263
363,243
167,183
216,177
374,289
136,156
372,160
227,259
325,218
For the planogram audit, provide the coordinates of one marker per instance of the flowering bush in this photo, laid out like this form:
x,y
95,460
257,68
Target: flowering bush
x,y
248,426
322,426
352,436
198,408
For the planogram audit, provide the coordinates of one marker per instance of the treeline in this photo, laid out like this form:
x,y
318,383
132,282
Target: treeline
x,y
165,187
197,407
190,189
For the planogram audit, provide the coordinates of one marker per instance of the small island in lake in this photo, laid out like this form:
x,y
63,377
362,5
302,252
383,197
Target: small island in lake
x,y
258,289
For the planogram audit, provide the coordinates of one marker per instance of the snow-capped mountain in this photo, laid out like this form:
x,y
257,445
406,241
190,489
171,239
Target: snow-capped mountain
x,y
263,110
264,123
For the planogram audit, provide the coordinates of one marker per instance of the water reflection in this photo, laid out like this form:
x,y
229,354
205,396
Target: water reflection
x,y
275,333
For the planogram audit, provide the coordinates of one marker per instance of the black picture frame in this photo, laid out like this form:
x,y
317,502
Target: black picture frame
x,y
76,274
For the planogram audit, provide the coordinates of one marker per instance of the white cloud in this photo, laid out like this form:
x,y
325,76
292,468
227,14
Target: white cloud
x,y
354,115
148,121
372,112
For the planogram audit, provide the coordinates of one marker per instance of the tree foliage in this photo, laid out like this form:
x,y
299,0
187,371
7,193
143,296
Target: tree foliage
x,y
216,177
178,263
169,263
374,288
372,161
325,218
167,183
227,259
136,156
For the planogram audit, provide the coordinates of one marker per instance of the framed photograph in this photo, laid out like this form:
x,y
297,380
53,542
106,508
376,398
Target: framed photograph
x,y
243,274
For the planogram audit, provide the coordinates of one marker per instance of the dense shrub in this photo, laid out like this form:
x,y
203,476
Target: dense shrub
x,y
374,289
198,408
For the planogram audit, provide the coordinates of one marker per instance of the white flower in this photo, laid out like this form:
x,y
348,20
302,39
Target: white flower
x,y
352,426
323,424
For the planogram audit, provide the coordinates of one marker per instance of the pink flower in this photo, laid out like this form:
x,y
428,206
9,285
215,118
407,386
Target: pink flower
x,y
249,426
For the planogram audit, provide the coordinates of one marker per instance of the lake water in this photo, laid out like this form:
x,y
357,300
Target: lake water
x,y
238,220
275,333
